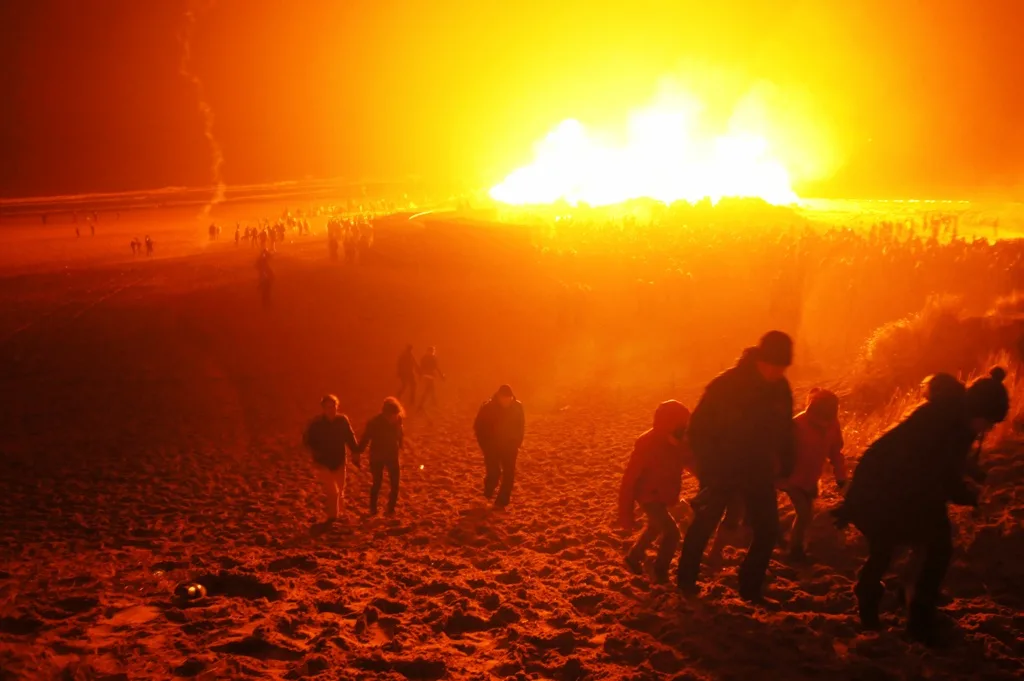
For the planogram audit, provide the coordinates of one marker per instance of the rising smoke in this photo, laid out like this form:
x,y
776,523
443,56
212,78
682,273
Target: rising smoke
x,y
192,10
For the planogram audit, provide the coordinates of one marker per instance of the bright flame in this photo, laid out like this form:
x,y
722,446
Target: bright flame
x,y
664,157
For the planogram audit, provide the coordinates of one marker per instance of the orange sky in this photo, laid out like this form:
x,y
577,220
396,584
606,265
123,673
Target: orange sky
x,y
915,98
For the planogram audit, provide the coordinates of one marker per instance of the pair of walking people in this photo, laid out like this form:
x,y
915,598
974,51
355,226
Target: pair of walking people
x,y
330,435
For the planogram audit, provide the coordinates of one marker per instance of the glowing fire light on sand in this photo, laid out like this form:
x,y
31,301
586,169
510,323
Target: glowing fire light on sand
x,y
664,158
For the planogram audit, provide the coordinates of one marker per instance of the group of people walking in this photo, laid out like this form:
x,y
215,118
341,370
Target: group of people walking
x,y
743,444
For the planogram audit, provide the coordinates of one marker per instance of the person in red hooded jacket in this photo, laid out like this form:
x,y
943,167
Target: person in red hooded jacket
x,y
653,478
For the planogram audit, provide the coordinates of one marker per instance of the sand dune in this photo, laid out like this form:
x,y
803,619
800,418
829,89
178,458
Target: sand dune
x,y
150,436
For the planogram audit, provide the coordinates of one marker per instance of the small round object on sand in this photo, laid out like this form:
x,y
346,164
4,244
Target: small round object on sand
x,y
190,591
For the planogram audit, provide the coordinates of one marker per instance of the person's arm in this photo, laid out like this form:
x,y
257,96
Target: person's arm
x,y
365,440
351,442
787,446
627,489
837,459
520,425
480,427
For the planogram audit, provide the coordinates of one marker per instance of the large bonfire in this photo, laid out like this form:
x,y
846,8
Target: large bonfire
x,y
666,155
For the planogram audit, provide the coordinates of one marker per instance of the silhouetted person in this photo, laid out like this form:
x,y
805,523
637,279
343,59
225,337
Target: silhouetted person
x,y
819,438
408,367
265,274
430,371
238,234
384,436
903,483
653,479
135,247
149,245
327,437
92,229
78,232
499,427
741,433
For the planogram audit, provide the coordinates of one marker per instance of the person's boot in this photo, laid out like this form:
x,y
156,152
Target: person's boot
x,y
869,597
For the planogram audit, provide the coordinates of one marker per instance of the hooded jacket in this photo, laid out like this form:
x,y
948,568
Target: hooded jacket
x,y
655,469
498,428
905,478
741,431
815,444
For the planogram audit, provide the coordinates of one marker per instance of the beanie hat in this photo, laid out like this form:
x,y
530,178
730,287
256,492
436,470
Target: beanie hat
x,y
671,415
987,397
775,348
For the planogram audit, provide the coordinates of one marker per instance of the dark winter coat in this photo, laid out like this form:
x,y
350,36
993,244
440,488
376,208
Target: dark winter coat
x,y
327,439
498,428
383,437
904,480
741,431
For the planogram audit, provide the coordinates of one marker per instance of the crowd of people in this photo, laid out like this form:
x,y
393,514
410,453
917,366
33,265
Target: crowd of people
x,y
354,234
744,444
730,272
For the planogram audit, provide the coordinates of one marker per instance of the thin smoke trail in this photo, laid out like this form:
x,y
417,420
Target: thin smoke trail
x,y
185,69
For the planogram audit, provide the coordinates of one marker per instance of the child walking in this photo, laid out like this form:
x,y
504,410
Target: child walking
x,y
819,437
384,436
327,437
653,478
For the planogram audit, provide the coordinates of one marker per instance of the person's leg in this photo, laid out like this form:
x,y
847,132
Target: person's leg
x,y
669,543
377,471
762,513
869,588
938,551
330,487
708,514
339,481
492,463
394,475
638,553
803,504
508,477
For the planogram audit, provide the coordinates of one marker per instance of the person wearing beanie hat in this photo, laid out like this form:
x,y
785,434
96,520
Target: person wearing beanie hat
x,y
742,435
903,484
653,479
500,427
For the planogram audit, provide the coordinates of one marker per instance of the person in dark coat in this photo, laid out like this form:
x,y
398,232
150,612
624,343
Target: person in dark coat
x,y
653,479
903,483
408,367
326,437
500,427
384,436
430,371
741,433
